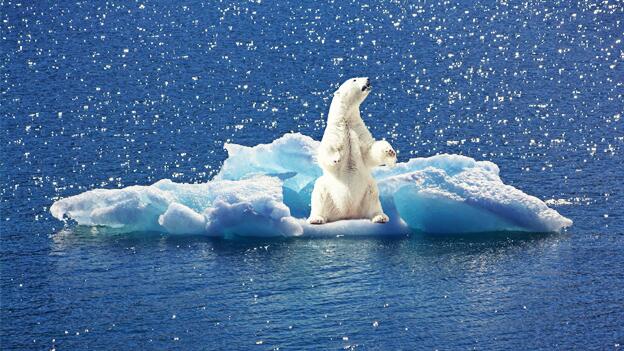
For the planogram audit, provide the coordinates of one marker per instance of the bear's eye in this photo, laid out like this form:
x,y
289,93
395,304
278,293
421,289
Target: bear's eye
x,y
354,80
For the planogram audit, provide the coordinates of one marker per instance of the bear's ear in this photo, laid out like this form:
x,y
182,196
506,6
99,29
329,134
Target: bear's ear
x,y
337,91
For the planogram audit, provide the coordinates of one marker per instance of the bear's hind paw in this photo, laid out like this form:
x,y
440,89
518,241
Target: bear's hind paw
x,y
380,218
316,220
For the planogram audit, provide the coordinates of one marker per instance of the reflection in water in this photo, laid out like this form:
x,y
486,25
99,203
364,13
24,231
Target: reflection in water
x,y
84,235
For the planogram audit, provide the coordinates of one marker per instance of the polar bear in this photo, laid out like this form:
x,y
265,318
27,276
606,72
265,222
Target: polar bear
x,y
347,154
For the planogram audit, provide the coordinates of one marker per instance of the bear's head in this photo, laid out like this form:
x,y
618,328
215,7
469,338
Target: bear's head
x,y
353,91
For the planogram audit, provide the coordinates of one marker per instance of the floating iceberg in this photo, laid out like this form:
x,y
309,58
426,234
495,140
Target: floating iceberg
x,y
265,191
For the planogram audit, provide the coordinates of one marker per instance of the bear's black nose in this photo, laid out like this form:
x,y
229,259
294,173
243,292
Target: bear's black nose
x,y
367,86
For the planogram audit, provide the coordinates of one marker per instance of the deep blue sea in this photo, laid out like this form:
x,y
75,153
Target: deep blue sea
x,y
106,94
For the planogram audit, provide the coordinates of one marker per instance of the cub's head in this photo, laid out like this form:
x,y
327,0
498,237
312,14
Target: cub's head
x,y
353,91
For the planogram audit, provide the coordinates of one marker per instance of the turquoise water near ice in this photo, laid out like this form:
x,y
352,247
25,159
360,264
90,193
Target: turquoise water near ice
x,y
108,95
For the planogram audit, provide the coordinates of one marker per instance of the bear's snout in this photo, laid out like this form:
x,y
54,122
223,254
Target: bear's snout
x,y
367,86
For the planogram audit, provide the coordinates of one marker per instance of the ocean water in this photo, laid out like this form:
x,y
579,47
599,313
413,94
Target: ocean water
x,y
112,94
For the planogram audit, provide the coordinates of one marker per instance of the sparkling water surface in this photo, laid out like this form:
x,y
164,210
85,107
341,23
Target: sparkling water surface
x,y
111,94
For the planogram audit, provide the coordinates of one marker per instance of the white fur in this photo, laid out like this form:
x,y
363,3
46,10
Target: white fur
x,y
347,154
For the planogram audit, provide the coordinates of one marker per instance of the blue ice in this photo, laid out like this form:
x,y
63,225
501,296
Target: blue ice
x,y
265,190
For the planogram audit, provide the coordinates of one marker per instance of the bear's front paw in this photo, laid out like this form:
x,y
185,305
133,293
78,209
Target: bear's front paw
x,y
390,157
316,220
385,154
380,218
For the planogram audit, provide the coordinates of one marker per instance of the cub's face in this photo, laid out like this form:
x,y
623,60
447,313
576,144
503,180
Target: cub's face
x,y
353,91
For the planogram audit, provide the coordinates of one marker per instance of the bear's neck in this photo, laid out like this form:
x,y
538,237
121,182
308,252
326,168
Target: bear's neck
x,y
341,114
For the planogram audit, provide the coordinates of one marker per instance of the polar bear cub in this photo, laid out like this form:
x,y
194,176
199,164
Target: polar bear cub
x,y
347,154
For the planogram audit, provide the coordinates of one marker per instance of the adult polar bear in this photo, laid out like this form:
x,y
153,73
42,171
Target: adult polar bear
x,y
347,154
